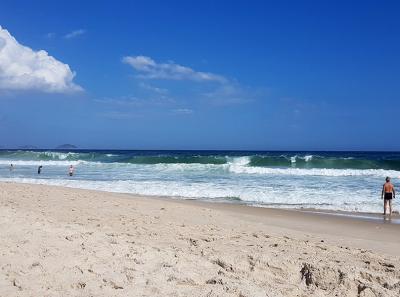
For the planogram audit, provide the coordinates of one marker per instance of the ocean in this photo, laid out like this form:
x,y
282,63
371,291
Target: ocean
x,y
347,181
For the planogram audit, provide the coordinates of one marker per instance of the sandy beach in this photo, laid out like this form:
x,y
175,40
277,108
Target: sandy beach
x,y
59,241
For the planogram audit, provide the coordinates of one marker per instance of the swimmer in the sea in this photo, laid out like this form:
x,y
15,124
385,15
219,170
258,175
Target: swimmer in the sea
x,y
71,170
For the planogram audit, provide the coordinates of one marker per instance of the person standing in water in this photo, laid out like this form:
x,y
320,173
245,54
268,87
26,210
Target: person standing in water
x,y
39,170
388,194
71,170
11,167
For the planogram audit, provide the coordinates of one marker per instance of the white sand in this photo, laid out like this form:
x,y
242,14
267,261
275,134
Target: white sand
x,y
66,242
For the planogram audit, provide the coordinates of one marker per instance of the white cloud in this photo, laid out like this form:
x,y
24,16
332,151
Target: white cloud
x,y
22,68
128,101
74,34
152,88
148,68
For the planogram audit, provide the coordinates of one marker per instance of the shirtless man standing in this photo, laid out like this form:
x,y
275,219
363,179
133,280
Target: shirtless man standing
x,y
387,194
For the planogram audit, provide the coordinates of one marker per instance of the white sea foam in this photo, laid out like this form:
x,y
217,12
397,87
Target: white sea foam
x,y
267,196
238,165
312,171
57,155
272,186
308,158
238,161
293,159
43,163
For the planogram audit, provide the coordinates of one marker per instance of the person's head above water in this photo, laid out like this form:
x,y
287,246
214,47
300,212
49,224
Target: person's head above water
x,y
387,179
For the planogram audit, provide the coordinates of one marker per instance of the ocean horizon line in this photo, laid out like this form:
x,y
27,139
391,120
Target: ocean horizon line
x,y
198,150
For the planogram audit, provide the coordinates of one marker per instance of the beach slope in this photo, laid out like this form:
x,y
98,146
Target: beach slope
x,y
57,241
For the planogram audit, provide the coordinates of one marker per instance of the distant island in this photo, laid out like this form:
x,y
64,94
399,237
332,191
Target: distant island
x,y
66,147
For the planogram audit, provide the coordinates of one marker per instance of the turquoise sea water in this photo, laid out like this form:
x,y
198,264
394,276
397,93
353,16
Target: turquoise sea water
x,y
349,181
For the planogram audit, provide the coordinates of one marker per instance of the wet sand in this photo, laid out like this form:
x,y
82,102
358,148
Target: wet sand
x,y
57,241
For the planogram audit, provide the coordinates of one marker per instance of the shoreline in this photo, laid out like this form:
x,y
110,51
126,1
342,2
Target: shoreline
x,y
310,218
395,218
369,216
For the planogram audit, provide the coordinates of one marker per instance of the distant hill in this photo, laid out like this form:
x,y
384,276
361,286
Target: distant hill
x,y
66,147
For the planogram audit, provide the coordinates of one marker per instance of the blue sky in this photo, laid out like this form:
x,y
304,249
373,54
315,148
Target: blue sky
x,y
252,75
